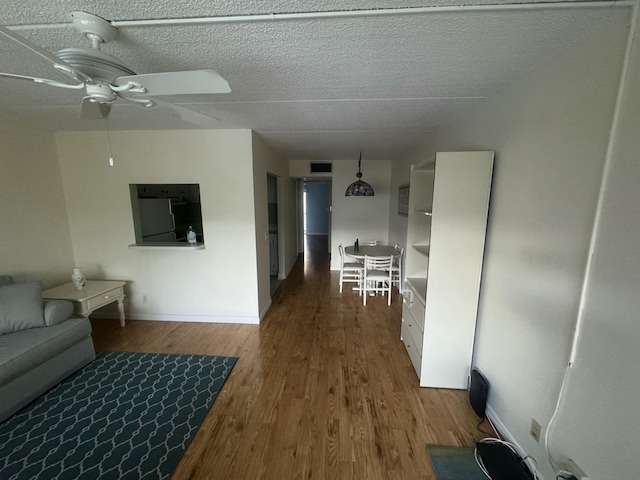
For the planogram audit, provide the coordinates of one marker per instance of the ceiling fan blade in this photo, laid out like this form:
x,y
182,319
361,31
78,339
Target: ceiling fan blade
x,y
179,83
93,110
192,117
44,81
185,114
57,63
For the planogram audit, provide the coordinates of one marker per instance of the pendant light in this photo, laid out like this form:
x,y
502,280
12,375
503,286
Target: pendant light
x,y
359,188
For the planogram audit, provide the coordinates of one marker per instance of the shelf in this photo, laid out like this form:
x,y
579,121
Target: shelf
x,y
419,287
423,249
458,190
167,246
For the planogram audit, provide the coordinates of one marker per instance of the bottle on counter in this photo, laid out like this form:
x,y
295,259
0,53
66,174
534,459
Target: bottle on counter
x,y
356,246
191,236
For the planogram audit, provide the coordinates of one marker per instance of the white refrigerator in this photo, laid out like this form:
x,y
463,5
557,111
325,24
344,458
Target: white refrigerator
x,y
157,222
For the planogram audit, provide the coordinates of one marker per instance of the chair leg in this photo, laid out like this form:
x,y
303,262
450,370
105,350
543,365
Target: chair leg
x,y
364,294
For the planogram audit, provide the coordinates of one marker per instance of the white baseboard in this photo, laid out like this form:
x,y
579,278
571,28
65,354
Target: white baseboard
x,y
264,311
284,275
183,318
500,426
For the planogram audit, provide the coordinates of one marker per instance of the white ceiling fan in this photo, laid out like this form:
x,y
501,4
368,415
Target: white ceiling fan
x,y
105,79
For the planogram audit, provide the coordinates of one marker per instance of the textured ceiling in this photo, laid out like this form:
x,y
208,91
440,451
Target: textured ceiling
x,y
316,88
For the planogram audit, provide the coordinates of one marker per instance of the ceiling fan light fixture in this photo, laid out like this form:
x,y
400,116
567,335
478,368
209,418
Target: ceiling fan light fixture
x,y
101,93
106,80
359,188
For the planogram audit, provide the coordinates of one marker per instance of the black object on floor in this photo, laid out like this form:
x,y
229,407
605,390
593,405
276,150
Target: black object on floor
x,y
478,391
502,463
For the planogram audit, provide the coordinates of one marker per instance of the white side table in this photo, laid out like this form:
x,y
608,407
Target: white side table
x,y
95,294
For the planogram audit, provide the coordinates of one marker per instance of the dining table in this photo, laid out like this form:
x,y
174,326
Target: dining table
x,y
371,251
378,251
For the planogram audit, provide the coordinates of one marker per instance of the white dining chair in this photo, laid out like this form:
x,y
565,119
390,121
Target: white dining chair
x,y
396,269
350,272
377,276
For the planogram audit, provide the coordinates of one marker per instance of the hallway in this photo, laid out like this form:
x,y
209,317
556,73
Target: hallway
x,y
323,388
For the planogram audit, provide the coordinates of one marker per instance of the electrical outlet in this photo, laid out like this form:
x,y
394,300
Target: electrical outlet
x,y
571,466
144,299
536,430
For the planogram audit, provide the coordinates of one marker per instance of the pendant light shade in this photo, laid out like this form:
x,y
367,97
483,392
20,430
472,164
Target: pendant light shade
x,y
359,188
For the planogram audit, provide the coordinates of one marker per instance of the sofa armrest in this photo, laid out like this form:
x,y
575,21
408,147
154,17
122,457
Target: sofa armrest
x,y
57,311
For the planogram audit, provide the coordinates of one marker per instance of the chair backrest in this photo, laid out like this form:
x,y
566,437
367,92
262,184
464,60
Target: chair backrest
x,y
369,242
400,249
341,250
378,263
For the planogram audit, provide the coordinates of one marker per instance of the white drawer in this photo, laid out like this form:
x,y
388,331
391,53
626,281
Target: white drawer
x,y
416,308
104,298
410,326
414,355
415,311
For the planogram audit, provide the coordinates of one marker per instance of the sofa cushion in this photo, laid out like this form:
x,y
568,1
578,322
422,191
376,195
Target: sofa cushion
x,y
21,351
20,307
6,280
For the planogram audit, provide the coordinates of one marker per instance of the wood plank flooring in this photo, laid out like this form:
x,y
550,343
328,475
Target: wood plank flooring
x,y
323,388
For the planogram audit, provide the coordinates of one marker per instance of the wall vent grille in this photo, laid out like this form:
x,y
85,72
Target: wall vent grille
x,y
320,167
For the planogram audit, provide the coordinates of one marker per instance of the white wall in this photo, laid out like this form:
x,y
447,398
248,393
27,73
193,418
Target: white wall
x,y
300,169
35,242
600,427
550,133
365,218
215,284
398,224
287,237
267,160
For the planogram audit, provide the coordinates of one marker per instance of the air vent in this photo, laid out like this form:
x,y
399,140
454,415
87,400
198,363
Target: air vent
x,y
320,167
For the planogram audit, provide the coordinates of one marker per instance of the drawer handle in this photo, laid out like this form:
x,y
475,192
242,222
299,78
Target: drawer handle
x,y
107,296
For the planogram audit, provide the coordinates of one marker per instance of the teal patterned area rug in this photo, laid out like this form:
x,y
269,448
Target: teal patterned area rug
x,y
123,416
454,463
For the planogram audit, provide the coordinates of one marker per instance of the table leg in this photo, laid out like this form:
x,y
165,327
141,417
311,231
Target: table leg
x,y
121,311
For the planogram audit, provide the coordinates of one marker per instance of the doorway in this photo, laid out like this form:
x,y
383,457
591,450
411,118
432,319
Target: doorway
x,y
272,206
316,207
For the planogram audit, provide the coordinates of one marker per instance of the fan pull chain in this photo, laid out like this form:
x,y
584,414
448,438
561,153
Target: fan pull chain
x,y
111,161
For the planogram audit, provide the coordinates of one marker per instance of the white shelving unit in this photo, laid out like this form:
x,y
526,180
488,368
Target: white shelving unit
x,y
448,206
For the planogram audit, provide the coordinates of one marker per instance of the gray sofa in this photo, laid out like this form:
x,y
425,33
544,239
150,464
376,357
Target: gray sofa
x,y
40,343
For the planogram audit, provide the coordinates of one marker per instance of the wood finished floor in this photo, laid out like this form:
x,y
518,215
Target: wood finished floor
x,y
323,388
